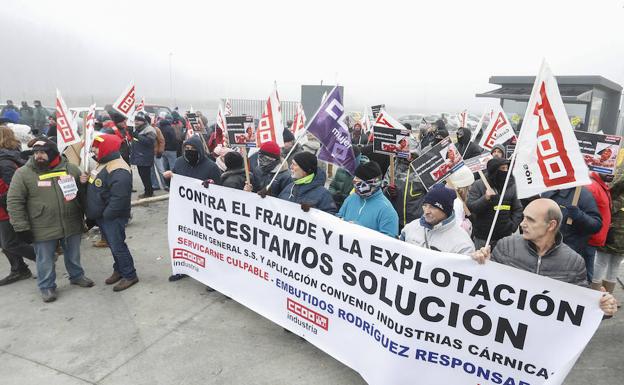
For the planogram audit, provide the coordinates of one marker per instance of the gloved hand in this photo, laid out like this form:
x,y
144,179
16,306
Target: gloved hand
x,y
25,236
306,207
573,212
264,192
392,191
207,183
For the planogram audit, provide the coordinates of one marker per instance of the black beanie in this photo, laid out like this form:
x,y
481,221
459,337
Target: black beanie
x,y
233,160
47,146
306,161
117,118
368,170
441,198
288,136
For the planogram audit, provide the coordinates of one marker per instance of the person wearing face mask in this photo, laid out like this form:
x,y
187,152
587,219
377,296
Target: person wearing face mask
x,y
45,204
407,192
369,207
108,204
342,184
465,147
437,229
308,185
483,203
142,155
268,164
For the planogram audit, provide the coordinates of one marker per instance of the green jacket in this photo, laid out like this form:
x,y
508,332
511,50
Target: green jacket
x,y
36,203
342,184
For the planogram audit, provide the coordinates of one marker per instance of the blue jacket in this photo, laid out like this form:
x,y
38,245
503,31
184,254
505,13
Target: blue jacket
x,y
589,221
375,212
260,180
108,195
205,167
142,153
314,193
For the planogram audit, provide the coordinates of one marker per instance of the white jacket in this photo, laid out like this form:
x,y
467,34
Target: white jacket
x,y
446,236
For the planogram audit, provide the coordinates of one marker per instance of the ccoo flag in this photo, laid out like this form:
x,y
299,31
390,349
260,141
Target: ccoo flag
x,y
271,127
330,129
67,129
498,131
547,153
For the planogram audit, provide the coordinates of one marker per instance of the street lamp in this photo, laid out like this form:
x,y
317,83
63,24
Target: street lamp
x,y
171,101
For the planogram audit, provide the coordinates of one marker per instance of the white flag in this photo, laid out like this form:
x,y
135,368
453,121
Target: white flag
x,y
271,127
125,102
463,118
221,120
228,107
67,129
365,122
498,131
140,106
298,124
89,134
385,120
547,153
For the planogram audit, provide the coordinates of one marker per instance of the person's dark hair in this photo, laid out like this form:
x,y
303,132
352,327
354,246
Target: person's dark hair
x,y
554,214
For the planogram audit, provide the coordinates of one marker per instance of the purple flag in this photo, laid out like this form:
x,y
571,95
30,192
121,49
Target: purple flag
x,y
330,129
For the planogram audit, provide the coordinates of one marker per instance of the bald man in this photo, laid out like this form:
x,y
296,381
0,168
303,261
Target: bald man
x,y
540,250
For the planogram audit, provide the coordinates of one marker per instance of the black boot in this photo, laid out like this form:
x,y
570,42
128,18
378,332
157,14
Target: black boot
x,y
15,276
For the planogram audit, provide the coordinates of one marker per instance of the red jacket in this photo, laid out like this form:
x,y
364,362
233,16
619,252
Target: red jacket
x,y
600,191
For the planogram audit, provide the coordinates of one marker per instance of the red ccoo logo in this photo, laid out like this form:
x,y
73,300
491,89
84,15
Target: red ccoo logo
x,y
191,257
307,314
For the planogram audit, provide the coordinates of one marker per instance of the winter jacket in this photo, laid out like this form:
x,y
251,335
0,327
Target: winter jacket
x,y
482,211
602,196
342,184
577,234
108,194
410,193
359,140
560,262
36,202
171,139
159,145
446,236
314,193
40,119
10,161
27,116
375,212
234,179
615,241
465,147
126,138
204,169
143,147
261,179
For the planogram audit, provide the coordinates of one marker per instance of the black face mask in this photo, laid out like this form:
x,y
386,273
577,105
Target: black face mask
x,y
266,163
499,178
191,156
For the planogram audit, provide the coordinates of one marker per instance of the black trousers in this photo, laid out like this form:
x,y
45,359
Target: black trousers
x,y
146,178
14,249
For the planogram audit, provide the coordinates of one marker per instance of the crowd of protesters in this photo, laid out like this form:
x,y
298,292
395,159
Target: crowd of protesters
x,y
580,243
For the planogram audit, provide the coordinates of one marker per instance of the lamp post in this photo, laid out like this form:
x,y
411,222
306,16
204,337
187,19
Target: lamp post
x,y
171,101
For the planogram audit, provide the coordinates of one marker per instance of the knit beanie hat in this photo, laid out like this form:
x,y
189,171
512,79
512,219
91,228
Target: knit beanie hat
x,y
288,136
117,117
47,146
271,149
233,160
367,171
441,198
306,161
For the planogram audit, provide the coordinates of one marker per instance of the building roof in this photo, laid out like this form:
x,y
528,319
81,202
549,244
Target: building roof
x,y
591,81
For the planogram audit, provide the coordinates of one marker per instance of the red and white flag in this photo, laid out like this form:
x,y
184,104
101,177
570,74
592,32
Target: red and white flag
x,y
365,122
271,127
463,118
221,120
89,134
385,120
140,107
67,129
125,102
498,131
298,124
228,107
547,153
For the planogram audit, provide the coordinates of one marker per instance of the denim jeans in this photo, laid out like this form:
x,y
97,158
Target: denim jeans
x,y
45,251
114,231
589,256
169,159
156,174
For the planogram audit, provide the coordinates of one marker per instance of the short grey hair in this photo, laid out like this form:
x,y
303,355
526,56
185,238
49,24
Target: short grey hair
x,y
554,214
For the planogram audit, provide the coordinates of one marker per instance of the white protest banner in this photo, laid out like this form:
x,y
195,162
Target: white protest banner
x,y
392,311
89,134
271,127
499,130
125,102
547,153
67,129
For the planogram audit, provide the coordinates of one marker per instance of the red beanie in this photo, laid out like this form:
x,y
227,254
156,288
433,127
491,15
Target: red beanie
x,y
271,149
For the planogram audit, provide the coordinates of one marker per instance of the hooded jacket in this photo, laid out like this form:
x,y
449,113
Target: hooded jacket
x,y
234,178
410,193
342,184
465,147
262,179
314,193
171,140
109,192
10,161
375,212
36,201
143,145
589,222
499,147
560,262
483,211
204,169
602,196
446,236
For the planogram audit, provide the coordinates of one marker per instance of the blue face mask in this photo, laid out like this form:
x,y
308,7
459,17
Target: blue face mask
x,y
367,188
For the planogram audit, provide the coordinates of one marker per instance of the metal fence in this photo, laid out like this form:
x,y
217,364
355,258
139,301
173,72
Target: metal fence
x,y
255,108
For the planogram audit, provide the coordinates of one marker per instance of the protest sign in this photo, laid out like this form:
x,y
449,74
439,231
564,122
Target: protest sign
x,y
390,310
599,151
241,131
478,163
376,109
391,141
194,121
437,163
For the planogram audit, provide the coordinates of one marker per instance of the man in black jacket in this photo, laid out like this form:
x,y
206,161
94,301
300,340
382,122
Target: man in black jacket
x,y
108,203
465,147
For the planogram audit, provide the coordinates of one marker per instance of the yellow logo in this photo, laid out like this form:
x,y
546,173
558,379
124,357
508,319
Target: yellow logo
x,y
98,182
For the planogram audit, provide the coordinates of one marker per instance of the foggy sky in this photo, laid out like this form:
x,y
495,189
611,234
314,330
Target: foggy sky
x,y
412,57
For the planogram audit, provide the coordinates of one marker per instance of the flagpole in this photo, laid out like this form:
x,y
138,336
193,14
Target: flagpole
x,y
500,200
286,158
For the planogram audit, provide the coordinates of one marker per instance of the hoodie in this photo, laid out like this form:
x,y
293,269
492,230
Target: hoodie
x,y
314,193
205,167
465,147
